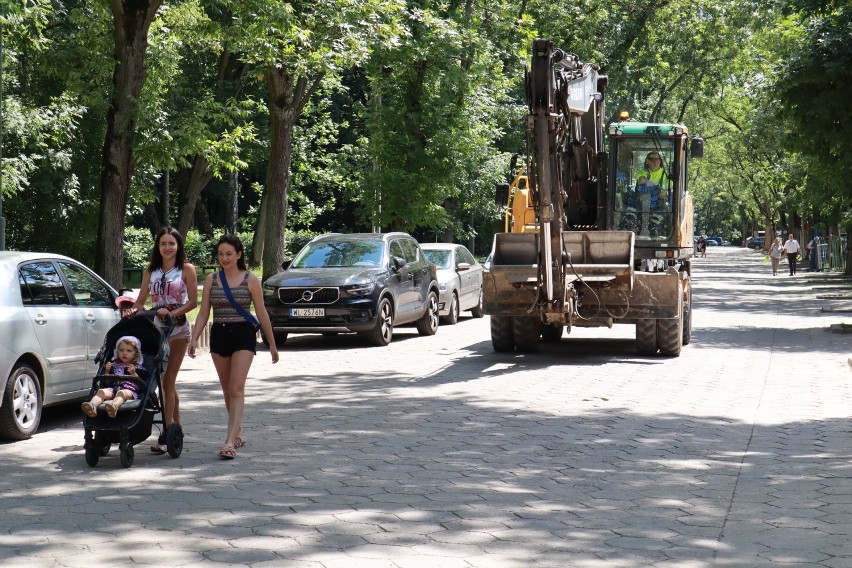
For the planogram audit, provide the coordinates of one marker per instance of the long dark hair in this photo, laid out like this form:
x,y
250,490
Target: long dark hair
x,y
157,258
235,242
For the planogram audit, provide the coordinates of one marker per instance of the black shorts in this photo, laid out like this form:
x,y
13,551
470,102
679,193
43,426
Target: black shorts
x,y
228,338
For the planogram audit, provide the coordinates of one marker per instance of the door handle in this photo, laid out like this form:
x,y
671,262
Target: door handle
x,y
40,319
90,318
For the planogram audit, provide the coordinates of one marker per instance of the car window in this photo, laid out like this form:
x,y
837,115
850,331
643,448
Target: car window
x,y
411,250
464,255
87,290
396,249
440,258
330,254
43,285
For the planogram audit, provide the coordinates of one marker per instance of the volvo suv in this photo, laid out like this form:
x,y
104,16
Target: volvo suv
x,y
365,283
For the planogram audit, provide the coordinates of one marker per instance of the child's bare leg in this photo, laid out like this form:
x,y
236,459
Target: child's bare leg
x,y
91,407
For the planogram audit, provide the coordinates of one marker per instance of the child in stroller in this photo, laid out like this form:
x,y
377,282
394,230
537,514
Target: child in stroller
x,y
127,361
130,422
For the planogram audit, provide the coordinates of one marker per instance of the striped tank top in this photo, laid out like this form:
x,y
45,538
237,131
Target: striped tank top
x,y
223,311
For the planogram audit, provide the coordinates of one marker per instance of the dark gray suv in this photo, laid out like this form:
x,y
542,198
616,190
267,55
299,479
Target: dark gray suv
x,y
364,283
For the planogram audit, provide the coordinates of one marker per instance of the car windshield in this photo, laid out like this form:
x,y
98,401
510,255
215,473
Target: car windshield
x,y
339,253
440,258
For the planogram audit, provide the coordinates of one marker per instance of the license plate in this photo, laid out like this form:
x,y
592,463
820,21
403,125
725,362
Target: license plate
x,y
307,312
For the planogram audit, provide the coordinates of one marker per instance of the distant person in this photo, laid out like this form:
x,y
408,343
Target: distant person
x,y
702,246
776,251
792,250
127,361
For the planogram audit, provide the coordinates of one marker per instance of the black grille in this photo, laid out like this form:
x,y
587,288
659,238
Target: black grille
x,y
308,296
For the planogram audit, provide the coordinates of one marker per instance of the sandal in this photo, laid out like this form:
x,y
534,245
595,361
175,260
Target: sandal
x,y
239,442
160,447
228,452
111,408
89,409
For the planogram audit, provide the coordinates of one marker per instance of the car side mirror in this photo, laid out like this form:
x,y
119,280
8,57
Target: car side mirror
x,y
286,264
398,262
463,266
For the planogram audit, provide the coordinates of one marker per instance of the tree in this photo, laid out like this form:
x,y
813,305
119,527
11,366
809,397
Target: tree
x,y
132,20
298,47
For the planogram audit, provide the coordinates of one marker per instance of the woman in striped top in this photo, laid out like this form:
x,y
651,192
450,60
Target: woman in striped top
x,y
233,339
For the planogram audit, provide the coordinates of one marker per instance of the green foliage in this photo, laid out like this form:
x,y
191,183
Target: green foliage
x,y
419,106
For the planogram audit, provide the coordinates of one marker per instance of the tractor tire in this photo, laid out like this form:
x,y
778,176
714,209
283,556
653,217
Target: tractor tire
x,y
670,336
501,334
646,336
525,332
687,316
551,333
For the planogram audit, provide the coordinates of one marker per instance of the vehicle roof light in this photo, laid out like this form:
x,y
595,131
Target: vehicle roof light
x,y
624,115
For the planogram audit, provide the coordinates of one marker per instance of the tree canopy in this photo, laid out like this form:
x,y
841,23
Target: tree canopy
x,y
274,117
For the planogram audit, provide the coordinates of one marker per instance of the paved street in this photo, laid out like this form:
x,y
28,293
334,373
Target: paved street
x,y
438,453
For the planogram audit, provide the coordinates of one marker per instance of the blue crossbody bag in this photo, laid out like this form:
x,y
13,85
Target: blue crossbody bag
x,y
223,282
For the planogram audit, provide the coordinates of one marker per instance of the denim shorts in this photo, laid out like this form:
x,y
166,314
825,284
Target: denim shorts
x,y
228,338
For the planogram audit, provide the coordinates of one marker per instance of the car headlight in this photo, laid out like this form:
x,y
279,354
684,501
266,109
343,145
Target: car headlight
x,y
270,291
360,289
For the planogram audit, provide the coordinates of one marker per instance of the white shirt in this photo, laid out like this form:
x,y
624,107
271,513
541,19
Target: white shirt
x,y
792,246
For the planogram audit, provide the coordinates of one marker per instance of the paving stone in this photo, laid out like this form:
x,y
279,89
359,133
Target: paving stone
x,y
436,451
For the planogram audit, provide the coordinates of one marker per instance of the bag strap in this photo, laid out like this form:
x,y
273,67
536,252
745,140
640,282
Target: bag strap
x,y
223,282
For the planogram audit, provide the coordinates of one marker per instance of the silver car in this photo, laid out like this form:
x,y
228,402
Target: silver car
x,y
459,280
54,315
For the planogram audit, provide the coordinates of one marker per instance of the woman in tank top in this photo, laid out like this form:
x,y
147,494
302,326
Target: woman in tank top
x,y
233,335
172,284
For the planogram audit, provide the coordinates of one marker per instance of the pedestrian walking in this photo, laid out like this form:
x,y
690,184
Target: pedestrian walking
x,y
172,283
231,292
792,250
775,254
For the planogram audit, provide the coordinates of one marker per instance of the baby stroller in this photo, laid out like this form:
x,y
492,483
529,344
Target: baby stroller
x,y
132,424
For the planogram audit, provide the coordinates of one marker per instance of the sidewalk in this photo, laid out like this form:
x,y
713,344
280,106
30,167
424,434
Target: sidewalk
x,y
436,452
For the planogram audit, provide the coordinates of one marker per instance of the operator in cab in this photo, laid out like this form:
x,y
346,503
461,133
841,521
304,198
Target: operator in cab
x,y
651,180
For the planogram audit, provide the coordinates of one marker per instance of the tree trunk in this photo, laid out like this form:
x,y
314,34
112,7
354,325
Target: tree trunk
x,y
190,190
287,97
281,118
165,181
233,201
259,231
202,218
131,20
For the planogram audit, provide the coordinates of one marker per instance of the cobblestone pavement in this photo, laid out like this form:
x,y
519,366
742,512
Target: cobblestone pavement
x,y
436,452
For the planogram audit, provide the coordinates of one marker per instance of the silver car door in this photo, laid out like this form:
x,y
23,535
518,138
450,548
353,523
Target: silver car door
x,y
96,306
58,325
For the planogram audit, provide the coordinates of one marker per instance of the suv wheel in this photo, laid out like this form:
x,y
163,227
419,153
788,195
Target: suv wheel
x,y
428,324
382,333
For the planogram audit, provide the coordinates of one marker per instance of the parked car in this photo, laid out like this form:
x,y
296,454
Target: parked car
x,y
54,315
366,283
755,243
459,280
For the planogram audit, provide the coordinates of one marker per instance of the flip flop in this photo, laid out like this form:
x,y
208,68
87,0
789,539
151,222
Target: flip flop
x,y
228,452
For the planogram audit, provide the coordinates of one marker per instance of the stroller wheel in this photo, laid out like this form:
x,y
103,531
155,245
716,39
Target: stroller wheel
x,y
92,456
126,456
174,439
101,444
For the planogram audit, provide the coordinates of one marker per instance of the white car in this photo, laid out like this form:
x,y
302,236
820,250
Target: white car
x,y
459,280
54,315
